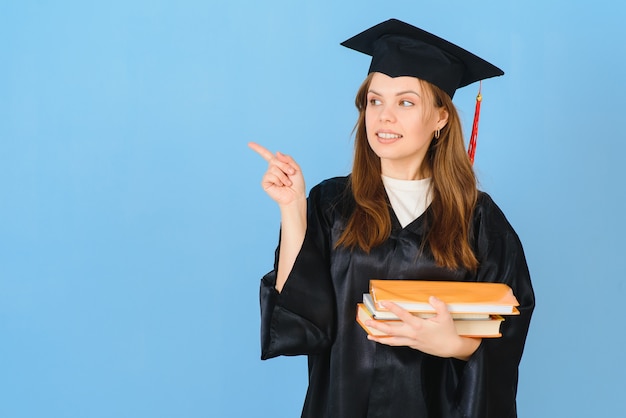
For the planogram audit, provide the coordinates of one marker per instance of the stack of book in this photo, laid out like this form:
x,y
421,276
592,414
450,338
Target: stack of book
x,y
477,308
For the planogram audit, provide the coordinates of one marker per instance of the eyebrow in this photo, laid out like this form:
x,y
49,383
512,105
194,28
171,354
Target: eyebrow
x,y
401,93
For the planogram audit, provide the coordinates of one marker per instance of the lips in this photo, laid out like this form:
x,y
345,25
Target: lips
x,y
387,137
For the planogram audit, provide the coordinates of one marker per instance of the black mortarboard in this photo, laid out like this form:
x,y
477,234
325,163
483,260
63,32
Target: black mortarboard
x,y
400,49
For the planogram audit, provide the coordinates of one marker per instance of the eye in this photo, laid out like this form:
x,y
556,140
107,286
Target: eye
x,y
406,103
374,102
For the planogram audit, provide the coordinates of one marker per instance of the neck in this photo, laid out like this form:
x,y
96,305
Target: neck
x,y
402,171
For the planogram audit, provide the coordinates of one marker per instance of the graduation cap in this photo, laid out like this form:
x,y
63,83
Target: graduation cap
x,y
399,49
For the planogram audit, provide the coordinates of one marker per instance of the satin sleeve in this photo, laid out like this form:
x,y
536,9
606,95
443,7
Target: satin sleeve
x,y
486,385
300,319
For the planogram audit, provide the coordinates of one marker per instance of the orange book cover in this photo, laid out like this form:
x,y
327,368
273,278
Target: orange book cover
x,y
461,297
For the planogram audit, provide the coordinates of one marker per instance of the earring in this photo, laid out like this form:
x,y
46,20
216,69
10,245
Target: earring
x,y
437,133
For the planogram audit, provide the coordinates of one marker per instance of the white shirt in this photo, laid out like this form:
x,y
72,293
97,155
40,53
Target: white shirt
x,y
409,198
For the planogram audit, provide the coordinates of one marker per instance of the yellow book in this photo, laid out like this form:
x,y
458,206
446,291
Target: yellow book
x,y
460,297
483,328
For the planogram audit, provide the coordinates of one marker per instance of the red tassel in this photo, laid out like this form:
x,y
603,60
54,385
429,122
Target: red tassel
x,y
472,143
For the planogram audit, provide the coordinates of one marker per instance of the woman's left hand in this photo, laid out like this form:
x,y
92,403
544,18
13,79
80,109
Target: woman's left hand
x,y
436,335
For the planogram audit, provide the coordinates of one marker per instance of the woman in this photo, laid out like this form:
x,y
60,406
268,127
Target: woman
x,y
409,210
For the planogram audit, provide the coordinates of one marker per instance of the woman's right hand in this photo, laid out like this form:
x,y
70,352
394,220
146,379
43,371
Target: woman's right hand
x,y
283,181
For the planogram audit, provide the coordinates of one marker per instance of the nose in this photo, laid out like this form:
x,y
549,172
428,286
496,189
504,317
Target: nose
x,y
386,114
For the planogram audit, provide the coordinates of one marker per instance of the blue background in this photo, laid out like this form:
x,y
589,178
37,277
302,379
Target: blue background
x,y
134,232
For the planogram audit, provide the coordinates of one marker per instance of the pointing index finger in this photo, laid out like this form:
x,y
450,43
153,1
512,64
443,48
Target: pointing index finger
x,y
261,150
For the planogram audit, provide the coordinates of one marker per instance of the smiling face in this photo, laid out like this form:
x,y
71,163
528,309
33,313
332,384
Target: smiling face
x,y
400,120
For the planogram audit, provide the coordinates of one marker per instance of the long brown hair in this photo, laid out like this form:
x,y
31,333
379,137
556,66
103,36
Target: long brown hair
x,y
453,187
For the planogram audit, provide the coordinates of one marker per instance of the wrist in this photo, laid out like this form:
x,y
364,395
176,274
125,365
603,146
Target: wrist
x,y
296,203
294,210
466,347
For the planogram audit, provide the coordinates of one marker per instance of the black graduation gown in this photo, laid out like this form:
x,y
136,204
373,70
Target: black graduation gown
x,y
350,376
